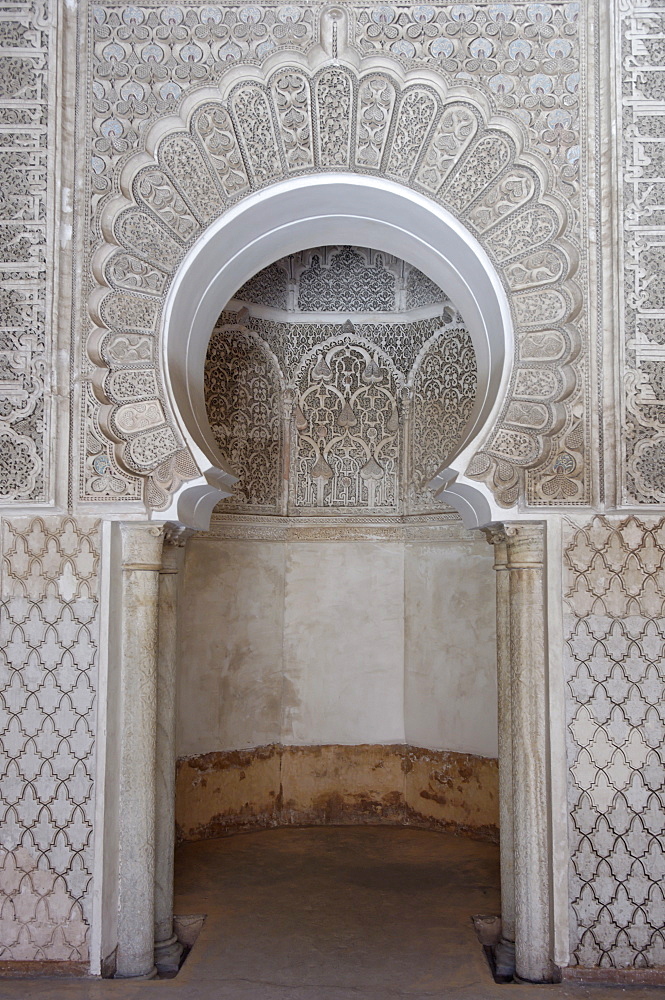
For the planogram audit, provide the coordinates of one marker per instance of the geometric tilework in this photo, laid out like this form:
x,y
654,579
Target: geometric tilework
x,y
615,673
48,646
40,919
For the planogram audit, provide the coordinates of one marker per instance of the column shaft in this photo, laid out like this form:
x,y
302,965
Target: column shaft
x,y
141,545
168,950
505,950
528,638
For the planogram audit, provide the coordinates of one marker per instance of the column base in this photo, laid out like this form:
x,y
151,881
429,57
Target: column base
x,y
146,975
531,982
551,975
504,958
168,954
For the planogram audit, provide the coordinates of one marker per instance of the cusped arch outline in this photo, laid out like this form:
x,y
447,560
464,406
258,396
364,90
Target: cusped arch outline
x,y
290,119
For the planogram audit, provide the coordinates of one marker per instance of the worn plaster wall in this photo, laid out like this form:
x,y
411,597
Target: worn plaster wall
x,y
339,642
221,793
290,642
343,643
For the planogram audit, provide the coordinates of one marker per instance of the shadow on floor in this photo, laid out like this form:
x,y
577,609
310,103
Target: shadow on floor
x,y
331,913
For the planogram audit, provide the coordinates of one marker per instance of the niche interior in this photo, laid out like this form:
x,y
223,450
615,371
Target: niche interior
x,y
337,632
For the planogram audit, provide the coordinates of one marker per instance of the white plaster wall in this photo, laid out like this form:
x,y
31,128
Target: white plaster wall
x,y
344,642
353,641
450,695
231,614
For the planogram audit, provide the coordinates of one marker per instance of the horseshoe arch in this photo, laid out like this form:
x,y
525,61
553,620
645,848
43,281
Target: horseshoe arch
x,y
302,153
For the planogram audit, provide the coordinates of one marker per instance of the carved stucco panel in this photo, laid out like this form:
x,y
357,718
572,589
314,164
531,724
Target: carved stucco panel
x,y
243,392
346,446
640,95
332,418
342,279
402,341
522,61
443,386
27,160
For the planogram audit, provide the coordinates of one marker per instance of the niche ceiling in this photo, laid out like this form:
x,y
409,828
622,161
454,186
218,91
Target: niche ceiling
x,y
338,379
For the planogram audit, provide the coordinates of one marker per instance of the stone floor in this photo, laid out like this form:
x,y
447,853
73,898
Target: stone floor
x,y
337,913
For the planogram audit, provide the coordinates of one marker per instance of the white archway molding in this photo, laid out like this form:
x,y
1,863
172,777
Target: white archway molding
x,y
313,211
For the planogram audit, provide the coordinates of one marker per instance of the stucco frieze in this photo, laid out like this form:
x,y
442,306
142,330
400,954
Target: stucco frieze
x,y
641,235
27,74
417,527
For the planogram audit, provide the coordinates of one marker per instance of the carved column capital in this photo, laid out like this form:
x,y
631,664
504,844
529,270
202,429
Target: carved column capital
x,y
525,544
177,534
175,538
495,535
141,546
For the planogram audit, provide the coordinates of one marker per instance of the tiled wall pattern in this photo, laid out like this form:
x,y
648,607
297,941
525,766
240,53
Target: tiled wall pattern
x,y
48,647
614,572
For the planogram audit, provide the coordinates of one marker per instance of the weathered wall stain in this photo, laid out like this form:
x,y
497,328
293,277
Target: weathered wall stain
x,y
229,791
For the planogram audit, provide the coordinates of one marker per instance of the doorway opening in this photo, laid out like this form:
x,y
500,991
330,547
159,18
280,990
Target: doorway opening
x,y
337,661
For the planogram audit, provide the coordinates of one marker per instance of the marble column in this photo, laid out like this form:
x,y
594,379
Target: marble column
x,y
141,559
525,544
505,950
168,949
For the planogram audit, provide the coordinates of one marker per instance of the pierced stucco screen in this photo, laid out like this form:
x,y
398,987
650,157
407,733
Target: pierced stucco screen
x,y
338,378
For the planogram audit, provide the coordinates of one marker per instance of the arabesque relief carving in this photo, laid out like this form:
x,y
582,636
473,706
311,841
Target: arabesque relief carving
x,y
26,223
315,415
297,116
347,422
640,94
243,390
342,279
